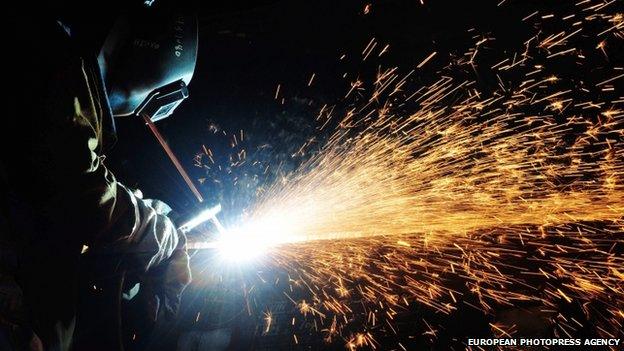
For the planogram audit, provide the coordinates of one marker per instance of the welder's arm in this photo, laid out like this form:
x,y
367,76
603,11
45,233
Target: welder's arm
x,y
165,281
151,239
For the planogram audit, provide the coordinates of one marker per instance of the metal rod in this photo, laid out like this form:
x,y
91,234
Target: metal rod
x,y
172,157
206,215
201,244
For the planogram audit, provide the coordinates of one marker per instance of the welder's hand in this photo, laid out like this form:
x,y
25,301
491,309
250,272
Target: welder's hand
x,y
163,285
167,281
157,257
176,277
160,207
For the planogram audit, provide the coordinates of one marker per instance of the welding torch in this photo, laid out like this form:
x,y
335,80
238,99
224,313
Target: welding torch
x,y
195,242
158,102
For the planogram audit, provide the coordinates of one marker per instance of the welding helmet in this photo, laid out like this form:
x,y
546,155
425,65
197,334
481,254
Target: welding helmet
x,y
148,59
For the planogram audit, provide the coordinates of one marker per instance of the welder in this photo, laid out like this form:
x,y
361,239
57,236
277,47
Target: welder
x,y
58,199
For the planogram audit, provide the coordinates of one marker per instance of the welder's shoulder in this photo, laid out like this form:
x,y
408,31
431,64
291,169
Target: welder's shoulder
x,y
36,48
46,74
29,28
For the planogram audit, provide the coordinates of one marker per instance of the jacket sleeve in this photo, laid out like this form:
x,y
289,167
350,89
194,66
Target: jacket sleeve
x,y
152,238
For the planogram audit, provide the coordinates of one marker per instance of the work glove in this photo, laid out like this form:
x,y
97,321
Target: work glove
x,y
162,286
164,283
155,257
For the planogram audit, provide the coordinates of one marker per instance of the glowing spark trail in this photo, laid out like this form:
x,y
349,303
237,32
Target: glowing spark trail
x,y
473,199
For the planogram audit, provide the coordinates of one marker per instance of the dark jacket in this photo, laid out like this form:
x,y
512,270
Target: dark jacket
x,y
57,194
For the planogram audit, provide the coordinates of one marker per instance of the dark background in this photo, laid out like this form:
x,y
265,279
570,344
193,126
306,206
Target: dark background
x,y
246,50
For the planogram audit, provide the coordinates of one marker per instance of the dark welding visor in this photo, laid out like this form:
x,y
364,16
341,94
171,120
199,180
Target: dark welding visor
x,y
147,60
